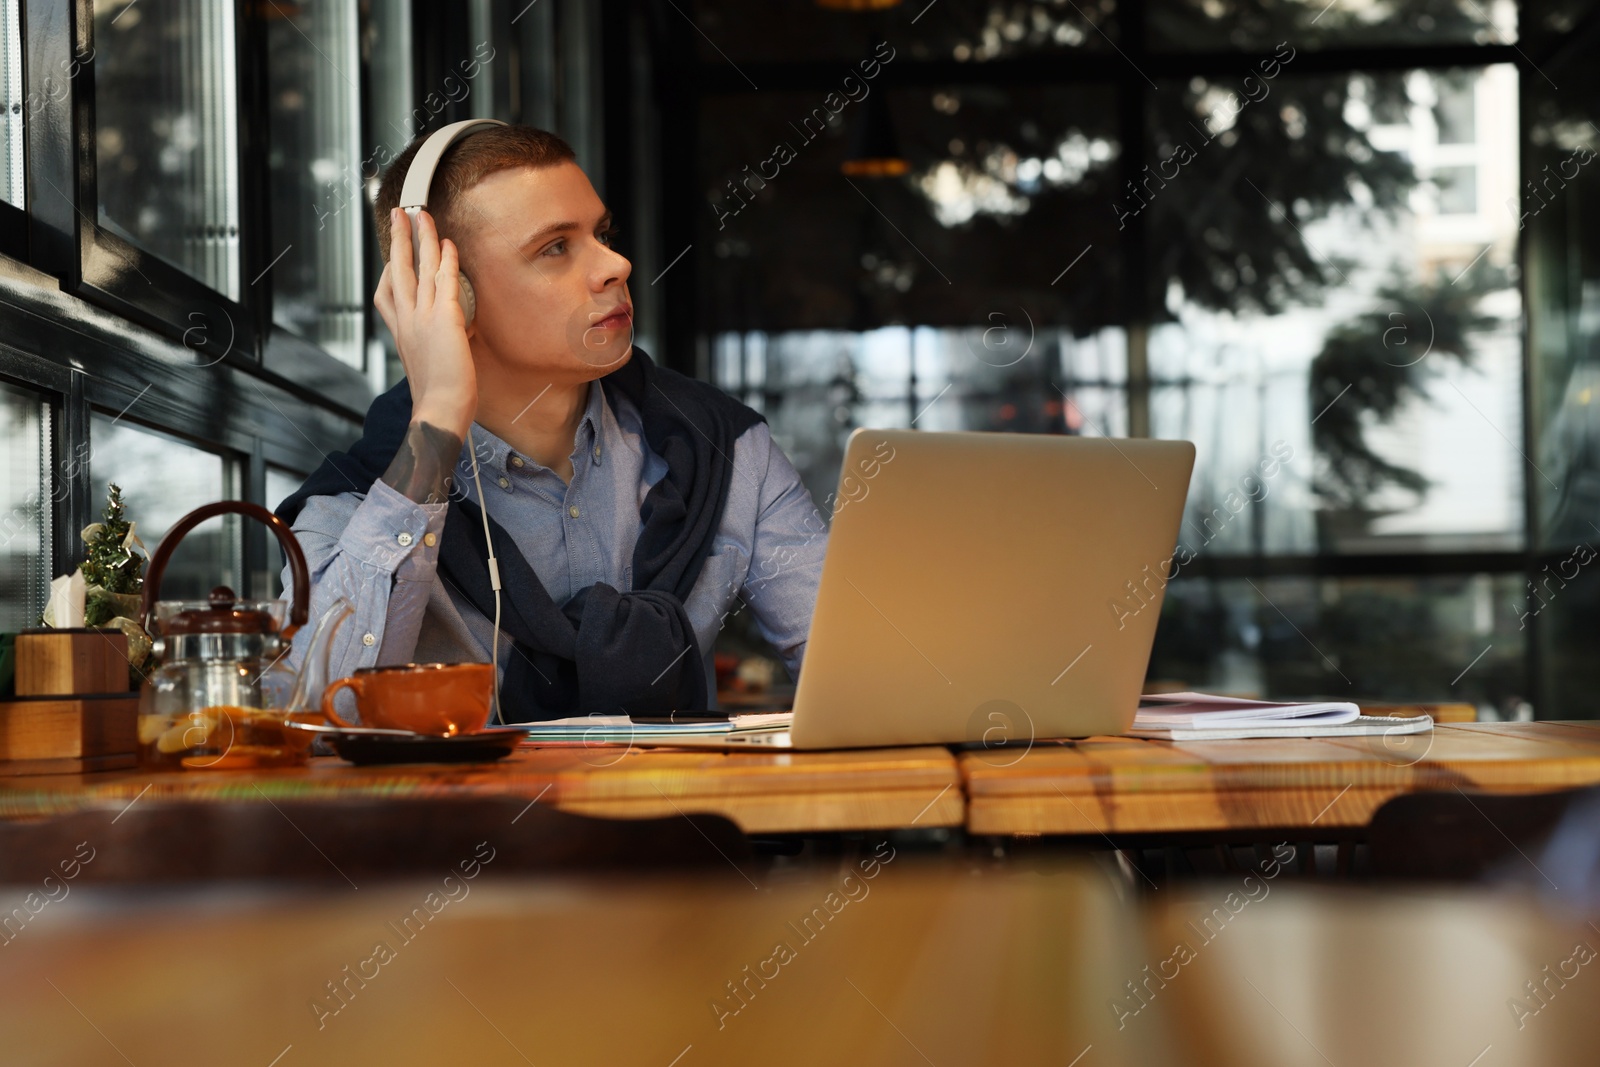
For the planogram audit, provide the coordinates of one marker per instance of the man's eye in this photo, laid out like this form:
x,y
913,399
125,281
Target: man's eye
x,y
555,247
608,235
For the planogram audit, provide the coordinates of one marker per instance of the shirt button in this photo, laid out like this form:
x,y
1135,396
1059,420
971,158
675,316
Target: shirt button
x,y
505,483
597,453
516,461
368,640
573,511
404,538
430,539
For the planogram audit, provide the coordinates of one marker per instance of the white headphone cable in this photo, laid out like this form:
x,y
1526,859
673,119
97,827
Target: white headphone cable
x,y
494,576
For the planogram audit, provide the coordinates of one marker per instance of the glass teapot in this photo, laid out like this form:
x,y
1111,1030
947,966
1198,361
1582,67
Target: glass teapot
x,y
224,694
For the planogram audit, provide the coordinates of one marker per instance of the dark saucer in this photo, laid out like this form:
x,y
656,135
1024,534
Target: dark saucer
x,y
371,746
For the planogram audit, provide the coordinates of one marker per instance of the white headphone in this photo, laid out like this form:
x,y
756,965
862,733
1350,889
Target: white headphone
x,y
419,177
413,198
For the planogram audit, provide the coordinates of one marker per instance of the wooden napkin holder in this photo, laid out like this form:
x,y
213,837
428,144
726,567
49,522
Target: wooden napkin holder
x,y
74,710
84,659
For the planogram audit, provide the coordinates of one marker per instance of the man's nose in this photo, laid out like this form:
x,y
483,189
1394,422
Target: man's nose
x,y
615,270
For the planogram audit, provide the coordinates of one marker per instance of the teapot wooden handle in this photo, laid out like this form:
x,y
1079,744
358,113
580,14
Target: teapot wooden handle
x,y
299,611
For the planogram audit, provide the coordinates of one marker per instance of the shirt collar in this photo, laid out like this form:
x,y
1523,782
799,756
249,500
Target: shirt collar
x,y
494,452
593,414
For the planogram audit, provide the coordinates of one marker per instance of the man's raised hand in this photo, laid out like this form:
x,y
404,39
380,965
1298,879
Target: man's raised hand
x,y
423,312
422,309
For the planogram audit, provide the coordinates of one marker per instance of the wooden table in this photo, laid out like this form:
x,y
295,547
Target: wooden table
x,y
1128,785
897,963
1099,785
864,789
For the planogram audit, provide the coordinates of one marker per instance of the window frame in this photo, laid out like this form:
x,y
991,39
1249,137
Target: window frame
x,y
67,241
236,467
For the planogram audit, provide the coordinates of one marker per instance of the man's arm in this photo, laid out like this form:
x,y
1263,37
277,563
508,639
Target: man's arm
x,y
380,552
420,470
791,535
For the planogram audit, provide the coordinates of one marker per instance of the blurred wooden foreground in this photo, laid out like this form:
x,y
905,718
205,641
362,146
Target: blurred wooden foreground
x,y
885,959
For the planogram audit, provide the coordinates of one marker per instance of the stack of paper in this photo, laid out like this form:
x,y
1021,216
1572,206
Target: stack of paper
x,y
621,730
1199,716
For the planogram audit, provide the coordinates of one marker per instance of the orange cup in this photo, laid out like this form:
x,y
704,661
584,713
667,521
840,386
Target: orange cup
x,y
441,699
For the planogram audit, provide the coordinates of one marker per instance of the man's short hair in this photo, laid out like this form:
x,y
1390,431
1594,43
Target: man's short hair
x,y
464,164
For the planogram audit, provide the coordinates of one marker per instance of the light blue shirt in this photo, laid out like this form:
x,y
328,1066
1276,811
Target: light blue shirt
x,y
379,549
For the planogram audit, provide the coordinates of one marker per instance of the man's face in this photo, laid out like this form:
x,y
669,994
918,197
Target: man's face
x,y
552,294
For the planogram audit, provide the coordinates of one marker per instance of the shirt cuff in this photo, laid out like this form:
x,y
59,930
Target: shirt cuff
x,y
389,528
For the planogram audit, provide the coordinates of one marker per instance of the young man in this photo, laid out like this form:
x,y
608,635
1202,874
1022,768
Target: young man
x,y
632,508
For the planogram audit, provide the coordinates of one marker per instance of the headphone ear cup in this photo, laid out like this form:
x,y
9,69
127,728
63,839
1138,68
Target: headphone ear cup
x,y
467,298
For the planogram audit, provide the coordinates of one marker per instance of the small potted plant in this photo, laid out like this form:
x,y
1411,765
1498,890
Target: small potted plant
x,y
112,583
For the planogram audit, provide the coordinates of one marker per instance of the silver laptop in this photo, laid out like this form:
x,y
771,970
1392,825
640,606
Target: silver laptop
x,y
983,588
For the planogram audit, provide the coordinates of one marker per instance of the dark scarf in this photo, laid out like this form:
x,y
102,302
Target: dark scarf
x,y
604,651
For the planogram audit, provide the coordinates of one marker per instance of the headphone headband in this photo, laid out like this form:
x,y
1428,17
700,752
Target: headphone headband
x,y
419,176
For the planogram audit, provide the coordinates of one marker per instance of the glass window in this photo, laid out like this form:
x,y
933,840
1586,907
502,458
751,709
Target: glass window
x,y
1458,190
166,137
1455,107
11,102
1322,318
392,116
280,484
1566,601
1553,205
734,31
816,386
555,81
1002,195
1427,639
319,176
1330,302
162,480
1201,25
26,490
1546,23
